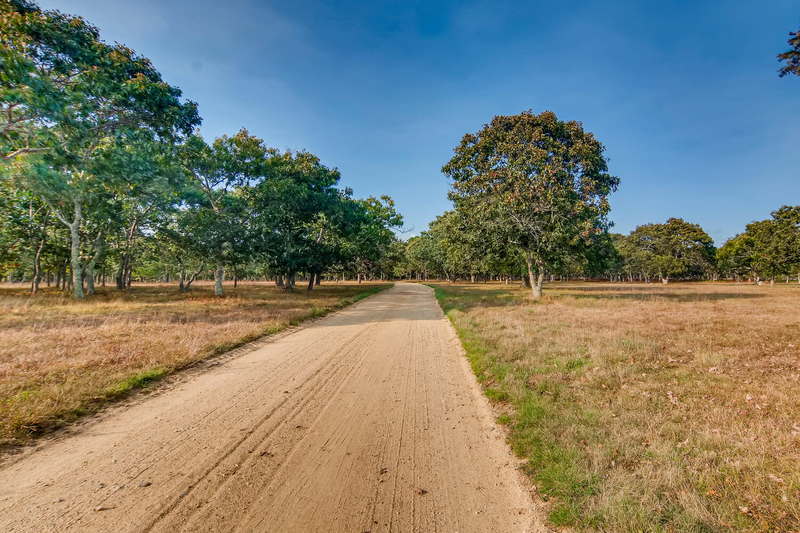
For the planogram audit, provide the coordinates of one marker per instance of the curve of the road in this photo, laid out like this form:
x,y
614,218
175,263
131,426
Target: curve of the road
x,y
366,421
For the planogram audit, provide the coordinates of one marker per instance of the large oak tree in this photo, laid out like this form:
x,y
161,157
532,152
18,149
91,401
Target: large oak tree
x,y
541,183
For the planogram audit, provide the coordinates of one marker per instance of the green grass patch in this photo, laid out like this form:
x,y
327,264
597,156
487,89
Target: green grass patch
x,y
496,395
136,381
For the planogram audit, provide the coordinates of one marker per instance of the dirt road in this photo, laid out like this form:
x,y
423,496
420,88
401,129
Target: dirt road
x,y
366,421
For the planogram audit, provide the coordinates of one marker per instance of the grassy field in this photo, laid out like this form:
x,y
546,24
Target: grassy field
x,y
61,358
646,408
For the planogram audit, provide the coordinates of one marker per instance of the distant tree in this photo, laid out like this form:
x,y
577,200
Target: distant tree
x,y
455,249
791,57
603,258
217,209
24,226
425,256
768,248
542,183
372,234
737,257
392,261
676,248
179,243
301,221
787,238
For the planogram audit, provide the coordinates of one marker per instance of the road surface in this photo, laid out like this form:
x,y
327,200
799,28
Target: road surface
x,y
366,421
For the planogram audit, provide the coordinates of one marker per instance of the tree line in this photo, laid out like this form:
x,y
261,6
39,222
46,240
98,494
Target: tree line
x,y
103,174
451,249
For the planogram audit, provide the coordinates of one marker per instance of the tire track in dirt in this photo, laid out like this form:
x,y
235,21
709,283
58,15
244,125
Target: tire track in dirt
x,y
367,420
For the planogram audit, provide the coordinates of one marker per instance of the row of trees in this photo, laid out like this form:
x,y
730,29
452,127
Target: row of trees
x,y
103,173
454,248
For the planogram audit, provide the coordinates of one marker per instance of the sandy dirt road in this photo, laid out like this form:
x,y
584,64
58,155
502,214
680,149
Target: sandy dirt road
x,y
366,421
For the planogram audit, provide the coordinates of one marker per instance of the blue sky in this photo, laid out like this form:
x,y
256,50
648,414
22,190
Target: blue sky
x,y
684,94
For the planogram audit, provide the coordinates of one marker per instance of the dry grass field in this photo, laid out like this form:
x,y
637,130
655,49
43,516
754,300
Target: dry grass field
x,y
646,408
61,358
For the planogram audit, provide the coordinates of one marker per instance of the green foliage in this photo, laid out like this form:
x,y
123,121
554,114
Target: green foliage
x,y
791,57
676,248
767,248
72,106
535,183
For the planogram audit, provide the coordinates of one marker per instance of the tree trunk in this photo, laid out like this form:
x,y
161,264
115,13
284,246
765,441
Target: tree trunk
x,y
311,281
537,289
123,267
37,267
182,274
193,277
535,286
279,281
97,250
90,277
220,278
318,281
75,251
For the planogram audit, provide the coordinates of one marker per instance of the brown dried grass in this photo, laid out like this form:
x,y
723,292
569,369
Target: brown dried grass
x,y
61,358
647,408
